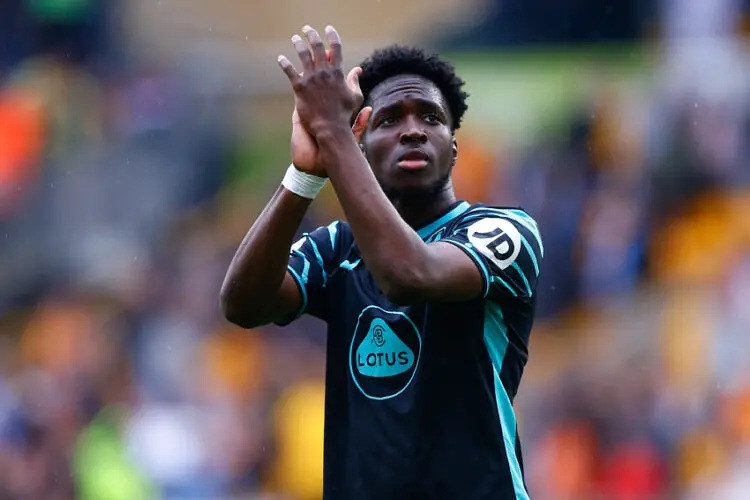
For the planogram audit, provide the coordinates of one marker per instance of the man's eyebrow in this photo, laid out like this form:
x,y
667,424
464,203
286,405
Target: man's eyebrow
x,y
388,108
421,101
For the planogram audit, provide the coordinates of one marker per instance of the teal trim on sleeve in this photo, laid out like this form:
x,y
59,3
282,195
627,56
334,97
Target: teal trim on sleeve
x,y
529,291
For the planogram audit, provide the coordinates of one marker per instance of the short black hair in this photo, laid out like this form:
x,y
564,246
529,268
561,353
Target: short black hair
x,y
397,60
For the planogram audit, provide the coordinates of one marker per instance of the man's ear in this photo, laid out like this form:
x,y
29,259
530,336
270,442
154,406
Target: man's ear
x,y
360,123
455,150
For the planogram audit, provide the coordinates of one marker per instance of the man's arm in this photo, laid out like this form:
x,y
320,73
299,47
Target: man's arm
x,y
257,288
406,269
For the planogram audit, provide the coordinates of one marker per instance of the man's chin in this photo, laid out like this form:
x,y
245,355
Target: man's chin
x,y
416,191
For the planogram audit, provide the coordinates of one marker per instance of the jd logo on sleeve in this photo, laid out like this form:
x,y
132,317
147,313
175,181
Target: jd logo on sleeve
x,y
384,353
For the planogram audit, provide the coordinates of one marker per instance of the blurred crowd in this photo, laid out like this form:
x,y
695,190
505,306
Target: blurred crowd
x,y
119,214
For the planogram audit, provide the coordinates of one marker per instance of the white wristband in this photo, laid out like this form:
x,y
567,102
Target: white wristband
x,y
303,184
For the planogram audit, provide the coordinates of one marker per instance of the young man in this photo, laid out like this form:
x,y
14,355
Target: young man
x,y
429,300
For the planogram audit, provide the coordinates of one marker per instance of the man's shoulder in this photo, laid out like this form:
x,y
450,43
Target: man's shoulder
x,y
485,210
492,227
479,214
332,243
336,233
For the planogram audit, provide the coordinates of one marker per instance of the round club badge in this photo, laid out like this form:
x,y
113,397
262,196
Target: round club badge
x,y
384,353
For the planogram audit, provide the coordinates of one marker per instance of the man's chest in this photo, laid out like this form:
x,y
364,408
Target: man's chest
x,y
388,348
381,342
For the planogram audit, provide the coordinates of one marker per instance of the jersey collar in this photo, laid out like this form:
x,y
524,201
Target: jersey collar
x,y
455,211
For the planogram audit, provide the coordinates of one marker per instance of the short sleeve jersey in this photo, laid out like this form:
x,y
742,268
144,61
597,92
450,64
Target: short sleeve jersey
x,y
419,399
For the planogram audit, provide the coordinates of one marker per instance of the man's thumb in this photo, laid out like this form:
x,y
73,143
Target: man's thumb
x,y
352,79
360,123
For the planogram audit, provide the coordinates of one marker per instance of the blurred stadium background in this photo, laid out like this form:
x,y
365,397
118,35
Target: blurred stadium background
x,y
139,139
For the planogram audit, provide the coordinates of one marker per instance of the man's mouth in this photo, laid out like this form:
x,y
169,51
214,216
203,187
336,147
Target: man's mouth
x,y
415,159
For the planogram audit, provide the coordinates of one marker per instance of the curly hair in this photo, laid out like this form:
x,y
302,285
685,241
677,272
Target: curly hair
x,y
401,60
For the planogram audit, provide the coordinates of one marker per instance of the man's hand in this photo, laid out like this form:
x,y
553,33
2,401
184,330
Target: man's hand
x,y
305,153
324,100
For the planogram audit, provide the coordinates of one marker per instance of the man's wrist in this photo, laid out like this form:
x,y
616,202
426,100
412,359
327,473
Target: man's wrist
x,y
333,143
332,133
303,184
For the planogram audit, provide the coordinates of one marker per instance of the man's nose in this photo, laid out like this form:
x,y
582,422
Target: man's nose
x,y
413,132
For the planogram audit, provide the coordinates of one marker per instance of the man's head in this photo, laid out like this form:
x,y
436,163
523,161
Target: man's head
x,y
417,104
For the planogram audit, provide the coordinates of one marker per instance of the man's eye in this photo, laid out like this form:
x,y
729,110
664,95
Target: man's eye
x,y
389,120
431,118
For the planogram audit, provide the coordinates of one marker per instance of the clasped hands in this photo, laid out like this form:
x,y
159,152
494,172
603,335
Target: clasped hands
x,y
325,100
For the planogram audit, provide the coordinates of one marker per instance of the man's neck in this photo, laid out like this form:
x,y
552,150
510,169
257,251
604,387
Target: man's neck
x,y
418,211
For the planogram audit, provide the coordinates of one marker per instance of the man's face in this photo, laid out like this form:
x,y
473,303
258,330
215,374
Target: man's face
x,y
409,142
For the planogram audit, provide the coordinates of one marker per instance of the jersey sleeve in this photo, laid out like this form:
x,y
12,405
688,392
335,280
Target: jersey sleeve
x,y
506,246
312,260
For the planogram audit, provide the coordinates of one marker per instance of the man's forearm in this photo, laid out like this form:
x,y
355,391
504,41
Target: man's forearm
x,y
395,254
259,265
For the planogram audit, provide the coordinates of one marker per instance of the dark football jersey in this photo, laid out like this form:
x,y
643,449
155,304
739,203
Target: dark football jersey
x,y
419,398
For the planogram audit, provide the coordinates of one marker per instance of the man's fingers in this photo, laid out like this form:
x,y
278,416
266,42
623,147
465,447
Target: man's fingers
x,y
303,51
316,43
334,42
288,68
360,123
